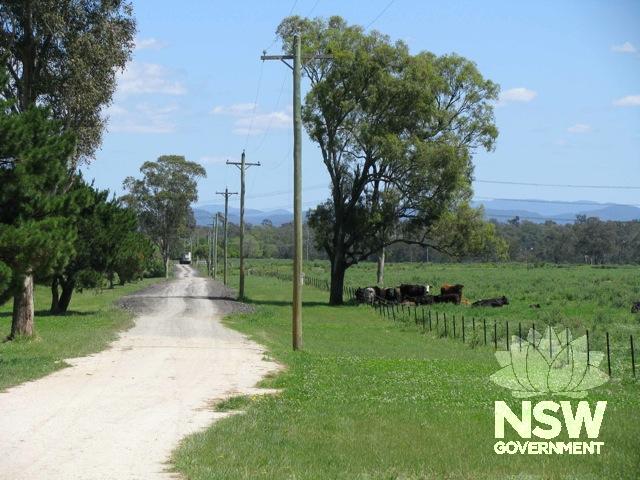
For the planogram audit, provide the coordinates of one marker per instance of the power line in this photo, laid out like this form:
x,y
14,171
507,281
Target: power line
x,y
255,105
380,14
527,184
313,8
584,203
284,79
275,38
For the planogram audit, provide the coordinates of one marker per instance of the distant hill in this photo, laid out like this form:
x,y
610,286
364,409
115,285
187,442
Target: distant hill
x,y
204,215
540,211
501,210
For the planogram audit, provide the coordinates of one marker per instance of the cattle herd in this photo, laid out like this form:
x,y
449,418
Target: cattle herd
x,y
421,295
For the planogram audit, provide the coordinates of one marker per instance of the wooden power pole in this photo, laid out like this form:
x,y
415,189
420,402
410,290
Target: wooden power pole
x,y
226,194
296,316
215,247
242,165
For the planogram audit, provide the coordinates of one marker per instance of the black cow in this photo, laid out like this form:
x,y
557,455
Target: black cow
x,y
365,295
635,307
413,291
447,298
491,302
425,300
392,294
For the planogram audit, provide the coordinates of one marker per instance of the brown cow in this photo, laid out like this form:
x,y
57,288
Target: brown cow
x,y
449,289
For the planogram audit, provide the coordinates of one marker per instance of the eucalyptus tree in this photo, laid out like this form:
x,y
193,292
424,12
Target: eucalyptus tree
x,y
162,199
65,54
397,133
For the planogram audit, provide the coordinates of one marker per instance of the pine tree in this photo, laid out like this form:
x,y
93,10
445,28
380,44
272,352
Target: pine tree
x,y
35,235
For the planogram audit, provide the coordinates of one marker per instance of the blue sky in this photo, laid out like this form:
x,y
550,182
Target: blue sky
x,y
569,73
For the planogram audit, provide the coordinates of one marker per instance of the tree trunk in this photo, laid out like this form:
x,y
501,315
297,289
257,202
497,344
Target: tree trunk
x,y
380,272
65,297
55,295
166,267
22,321
338,269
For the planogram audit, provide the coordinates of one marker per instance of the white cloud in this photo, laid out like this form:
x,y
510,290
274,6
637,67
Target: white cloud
x,y
249,120
149,44
518,94
237,109
142,118
626,47
628,101
579,128
145,78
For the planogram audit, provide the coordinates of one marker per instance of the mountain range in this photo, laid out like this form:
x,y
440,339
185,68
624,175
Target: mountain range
x,y
537,211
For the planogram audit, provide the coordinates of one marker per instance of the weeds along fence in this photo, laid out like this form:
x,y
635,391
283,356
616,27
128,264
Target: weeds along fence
x,y
619,357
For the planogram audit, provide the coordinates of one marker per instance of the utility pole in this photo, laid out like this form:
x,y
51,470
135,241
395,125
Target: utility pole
x,y
209,247
226,194
215,248
242,165
296,318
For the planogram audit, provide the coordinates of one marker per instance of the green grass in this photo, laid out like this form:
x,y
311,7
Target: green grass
x,y
374,399
89,326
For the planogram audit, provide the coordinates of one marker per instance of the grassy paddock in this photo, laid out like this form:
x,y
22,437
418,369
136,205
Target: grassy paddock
x,y
91,323
373,399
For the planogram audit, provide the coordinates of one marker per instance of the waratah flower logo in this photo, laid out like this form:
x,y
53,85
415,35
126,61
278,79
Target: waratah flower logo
x,y
549,364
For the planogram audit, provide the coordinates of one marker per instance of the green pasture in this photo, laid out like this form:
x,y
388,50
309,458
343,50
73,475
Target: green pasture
x,y
370,398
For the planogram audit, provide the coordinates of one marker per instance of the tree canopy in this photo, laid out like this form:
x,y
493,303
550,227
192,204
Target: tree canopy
x,y
64,54
162,199
397,133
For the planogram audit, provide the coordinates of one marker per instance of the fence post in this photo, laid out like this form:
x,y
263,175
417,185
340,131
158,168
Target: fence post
x,y
633,357
424,323
608,354
445,325
454,325
430,326
588,350
508,346
550,347
462,328
566,335
437,322
495,335
520,336
473,324
484,327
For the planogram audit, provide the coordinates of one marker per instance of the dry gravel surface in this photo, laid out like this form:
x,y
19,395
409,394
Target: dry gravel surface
x,y
118,414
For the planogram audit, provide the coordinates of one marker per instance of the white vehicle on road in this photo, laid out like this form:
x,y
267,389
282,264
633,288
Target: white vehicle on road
x,y
186,259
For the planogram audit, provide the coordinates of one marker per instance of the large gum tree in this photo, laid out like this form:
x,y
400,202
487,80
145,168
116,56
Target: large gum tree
x,y
397,133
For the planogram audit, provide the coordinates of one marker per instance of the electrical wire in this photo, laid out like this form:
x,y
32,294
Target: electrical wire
x,y
527,184
380,14
255,105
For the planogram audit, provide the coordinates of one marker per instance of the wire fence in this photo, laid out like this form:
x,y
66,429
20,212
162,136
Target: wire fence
x,y
476,331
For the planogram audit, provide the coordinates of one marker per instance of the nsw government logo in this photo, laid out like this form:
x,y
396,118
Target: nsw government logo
x,y
551,366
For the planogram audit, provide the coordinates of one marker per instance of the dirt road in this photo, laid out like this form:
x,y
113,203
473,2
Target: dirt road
x,y
118,414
